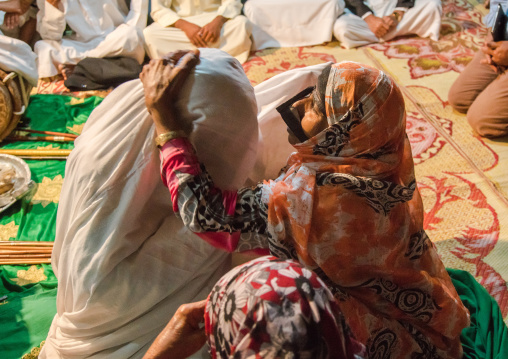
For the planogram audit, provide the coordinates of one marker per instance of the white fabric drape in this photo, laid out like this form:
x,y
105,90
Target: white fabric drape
x,y
274,148
288,23
101,28
17,56
123,261
167,12
424,20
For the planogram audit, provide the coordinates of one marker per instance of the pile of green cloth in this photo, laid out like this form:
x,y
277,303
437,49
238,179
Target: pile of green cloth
x,y
29,292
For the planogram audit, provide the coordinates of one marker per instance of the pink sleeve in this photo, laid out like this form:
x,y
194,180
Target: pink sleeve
x,y
178,156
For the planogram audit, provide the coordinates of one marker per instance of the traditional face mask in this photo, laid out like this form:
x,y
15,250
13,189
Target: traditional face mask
x,y
290,115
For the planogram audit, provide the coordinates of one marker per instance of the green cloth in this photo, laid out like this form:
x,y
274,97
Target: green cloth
x,y
26,314
487,337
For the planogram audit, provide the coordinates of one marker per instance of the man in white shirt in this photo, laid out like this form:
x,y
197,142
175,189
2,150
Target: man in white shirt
x,y
380,20
188,24
100,28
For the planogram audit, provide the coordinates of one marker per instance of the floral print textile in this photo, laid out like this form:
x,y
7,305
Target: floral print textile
x,y
273,308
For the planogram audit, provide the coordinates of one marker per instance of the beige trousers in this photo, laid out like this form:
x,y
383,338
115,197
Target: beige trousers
x,y
483,94
424,20
234,37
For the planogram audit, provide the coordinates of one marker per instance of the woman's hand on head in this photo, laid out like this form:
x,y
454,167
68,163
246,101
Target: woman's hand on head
x,y
163,80
183,335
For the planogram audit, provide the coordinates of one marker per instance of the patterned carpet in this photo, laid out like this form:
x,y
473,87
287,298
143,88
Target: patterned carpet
x,y
460,175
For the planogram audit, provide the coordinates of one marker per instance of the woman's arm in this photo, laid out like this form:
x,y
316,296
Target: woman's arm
x,y
218,216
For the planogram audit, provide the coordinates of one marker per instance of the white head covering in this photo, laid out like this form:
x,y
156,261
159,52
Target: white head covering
x,y
123,261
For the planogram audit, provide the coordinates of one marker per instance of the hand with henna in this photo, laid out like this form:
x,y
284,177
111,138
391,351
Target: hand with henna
x,y
163,80
183,335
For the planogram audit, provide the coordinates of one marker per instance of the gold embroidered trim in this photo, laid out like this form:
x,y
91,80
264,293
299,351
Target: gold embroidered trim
x,y
8,231
32,275
34,353
48,191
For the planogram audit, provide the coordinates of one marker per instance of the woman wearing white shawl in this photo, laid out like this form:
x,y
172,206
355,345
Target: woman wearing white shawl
x,y
123,260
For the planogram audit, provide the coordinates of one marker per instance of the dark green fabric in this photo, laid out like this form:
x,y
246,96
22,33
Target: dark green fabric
x,y
487,337
26,314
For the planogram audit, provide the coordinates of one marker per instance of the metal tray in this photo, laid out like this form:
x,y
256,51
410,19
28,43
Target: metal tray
x,y
23,185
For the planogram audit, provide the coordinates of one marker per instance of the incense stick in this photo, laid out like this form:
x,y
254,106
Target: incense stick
x,y
25,261
43,250
24,256
35,153
27,243
48,132
40,138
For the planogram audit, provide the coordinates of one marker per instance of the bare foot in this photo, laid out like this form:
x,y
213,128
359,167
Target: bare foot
x,y
66,70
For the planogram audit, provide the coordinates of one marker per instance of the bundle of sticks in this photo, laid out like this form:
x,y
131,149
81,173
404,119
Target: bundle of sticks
x,y
25,252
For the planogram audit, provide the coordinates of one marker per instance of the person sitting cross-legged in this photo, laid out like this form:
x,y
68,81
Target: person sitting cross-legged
x,y
188,24
382,20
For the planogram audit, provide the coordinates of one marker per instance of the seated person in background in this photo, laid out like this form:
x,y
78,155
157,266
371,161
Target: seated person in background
x,y
19,20
383,20
265,308
99,29
481,90
346,205
188,24
282,23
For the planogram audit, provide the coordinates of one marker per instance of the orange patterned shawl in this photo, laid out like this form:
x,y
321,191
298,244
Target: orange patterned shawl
x,y
348,204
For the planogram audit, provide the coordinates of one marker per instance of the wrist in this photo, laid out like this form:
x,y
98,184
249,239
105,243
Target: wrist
x,y
165,137
221,19
181,24
397,15
164,120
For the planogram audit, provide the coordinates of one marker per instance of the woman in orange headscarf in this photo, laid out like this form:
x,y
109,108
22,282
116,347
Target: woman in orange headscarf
x,y
346,205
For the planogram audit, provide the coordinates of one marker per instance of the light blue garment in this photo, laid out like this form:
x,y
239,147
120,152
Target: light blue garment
x,y
491,17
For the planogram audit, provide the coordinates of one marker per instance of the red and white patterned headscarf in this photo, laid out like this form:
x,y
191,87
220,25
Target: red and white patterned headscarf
x,y
273,308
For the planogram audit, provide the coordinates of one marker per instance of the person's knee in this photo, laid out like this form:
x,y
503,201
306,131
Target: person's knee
x,y
340,28
148,33
434,7
486,124
240,23
457,98
241,20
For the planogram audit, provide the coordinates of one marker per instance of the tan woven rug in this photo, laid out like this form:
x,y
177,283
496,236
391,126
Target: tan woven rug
x,y
462,177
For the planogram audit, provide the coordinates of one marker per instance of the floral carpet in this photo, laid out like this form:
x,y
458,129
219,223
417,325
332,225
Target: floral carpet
x,y
462,177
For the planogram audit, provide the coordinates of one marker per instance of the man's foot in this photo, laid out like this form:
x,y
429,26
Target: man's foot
x,y
66,70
